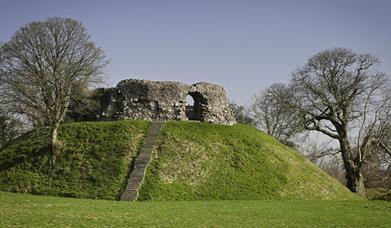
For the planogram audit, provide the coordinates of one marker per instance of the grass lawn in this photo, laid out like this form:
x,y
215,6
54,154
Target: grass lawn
x,y
40,211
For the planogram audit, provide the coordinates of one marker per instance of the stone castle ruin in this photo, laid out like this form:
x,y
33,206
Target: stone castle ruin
x,y
163,100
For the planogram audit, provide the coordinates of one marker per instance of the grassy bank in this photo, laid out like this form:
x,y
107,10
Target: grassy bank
x,y
93,160
198,161
191,161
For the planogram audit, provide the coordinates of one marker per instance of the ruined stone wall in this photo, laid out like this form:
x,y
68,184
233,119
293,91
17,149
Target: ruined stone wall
x,y
156,100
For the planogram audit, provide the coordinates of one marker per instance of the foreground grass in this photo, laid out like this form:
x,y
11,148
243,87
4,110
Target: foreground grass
x,y
40,211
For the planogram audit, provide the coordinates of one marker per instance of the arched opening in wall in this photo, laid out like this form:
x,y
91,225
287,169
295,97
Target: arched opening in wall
x,y
194,109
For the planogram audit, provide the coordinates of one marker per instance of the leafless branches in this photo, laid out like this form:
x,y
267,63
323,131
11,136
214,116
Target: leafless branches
x,y
338,94
40,65
271,113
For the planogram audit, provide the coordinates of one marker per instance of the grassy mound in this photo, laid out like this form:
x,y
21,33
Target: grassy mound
x,y
192,161
195,161
93,161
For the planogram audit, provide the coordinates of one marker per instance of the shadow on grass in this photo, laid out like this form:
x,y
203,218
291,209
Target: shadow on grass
x,y
29,146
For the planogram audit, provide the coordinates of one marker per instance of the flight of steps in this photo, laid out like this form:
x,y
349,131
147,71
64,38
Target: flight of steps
x,y
137,175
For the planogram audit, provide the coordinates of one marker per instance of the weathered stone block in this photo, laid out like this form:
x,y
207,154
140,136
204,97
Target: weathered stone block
x,y
164,100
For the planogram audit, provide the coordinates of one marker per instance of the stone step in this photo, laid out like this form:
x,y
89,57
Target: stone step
x,y
137,175
143,158
132,187
129,195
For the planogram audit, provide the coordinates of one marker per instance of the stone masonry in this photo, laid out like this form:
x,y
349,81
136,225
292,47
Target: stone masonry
x,y
164,100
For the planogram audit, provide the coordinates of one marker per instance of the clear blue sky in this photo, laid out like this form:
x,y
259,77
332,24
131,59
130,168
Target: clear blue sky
x,y
243,45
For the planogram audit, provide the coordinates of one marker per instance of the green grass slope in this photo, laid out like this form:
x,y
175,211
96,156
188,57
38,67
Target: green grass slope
x,y
192,161
19,210
93,161
198,161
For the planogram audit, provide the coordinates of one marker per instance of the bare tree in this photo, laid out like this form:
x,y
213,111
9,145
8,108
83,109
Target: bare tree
x,y
338,93
10,127
377,170
272,114
40,65
325,155
241,113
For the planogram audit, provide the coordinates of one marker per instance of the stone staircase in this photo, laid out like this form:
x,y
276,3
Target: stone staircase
x,y
137,175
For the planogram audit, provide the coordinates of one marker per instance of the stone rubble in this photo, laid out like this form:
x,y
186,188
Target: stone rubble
x,y
164,100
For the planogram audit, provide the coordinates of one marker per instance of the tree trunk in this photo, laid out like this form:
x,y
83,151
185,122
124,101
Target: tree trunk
x,y
54,133
355,180
54,144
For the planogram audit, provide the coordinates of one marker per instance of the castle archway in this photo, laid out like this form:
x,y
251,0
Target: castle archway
x,y
195,106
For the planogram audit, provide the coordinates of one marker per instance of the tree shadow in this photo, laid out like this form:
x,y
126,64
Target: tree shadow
x,y
28,146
